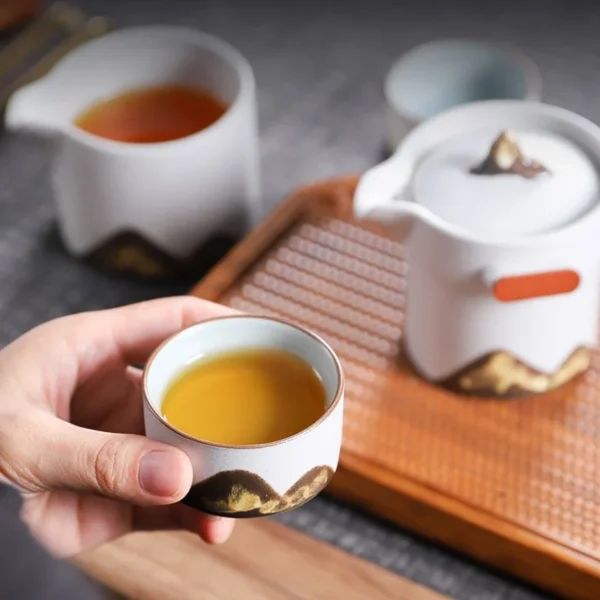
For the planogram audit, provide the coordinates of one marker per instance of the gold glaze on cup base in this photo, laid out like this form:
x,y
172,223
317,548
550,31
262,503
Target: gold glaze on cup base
x,y
242,494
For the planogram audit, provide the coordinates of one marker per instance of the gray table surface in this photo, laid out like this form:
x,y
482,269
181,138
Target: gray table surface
x,y
319,66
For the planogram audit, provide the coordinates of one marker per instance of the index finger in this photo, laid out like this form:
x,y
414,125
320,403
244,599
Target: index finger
x,y
137,329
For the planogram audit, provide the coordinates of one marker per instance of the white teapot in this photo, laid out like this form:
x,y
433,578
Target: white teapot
x,y
497,204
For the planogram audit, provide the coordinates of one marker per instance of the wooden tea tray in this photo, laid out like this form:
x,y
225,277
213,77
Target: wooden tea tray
x,y
515,484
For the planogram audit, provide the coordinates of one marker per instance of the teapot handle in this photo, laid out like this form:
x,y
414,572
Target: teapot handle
x,y
526,286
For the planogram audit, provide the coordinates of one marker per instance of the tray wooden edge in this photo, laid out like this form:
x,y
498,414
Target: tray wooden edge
x,y
425,511
467,529
328,198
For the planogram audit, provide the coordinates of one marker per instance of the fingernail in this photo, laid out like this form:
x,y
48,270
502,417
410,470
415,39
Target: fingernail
x,y
215,531
160,473
222,530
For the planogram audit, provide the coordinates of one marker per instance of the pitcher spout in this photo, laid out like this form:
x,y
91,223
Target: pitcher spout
x,y
30,110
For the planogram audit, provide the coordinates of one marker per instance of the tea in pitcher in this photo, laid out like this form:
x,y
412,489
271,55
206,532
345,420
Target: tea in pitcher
x,y
253,396
152,115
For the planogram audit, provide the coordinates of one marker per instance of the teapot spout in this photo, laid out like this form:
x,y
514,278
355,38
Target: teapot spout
x,y
398,217
30,110
379,197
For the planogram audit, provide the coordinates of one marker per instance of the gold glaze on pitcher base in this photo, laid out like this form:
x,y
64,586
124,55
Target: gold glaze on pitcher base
x,y
130,254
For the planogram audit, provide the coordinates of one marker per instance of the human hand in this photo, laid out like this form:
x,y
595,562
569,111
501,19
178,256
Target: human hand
x,y
71,425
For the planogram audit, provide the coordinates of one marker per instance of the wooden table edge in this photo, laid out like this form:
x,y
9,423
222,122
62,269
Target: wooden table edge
x,y
143,576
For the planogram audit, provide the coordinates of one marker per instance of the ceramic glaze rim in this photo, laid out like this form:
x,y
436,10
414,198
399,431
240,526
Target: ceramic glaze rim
x,y
339,388
520,62
205,41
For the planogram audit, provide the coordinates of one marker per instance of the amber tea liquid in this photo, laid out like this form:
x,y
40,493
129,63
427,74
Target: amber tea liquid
x,y
245,397
152,115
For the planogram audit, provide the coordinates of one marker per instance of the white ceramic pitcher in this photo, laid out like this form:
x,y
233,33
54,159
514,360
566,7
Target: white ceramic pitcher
x,y
147,207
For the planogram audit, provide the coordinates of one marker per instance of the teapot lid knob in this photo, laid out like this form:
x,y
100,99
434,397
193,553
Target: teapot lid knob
x,y
505,157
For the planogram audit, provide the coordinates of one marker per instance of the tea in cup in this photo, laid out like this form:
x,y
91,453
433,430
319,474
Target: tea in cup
x,y
257,404
268,395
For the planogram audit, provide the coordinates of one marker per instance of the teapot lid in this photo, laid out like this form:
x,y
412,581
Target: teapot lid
x,y
506,184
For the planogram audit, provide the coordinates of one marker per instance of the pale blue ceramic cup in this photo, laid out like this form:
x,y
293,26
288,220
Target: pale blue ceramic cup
x,y
441,74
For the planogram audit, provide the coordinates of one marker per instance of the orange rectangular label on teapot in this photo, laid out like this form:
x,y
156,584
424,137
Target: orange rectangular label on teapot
x,y
537,285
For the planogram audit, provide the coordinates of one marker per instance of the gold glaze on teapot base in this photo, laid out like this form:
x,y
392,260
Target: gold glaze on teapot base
x,y
500,374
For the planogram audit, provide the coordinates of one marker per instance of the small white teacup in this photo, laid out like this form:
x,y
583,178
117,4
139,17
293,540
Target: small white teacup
x,y
260,479
435,76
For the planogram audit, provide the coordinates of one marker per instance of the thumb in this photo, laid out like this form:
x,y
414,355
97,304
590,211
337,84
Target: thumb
x,y
52,454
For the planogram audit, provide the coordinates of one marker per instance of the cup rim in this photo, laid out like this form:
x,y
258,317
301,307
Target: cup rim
x,y
334,403
523,62
212,43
